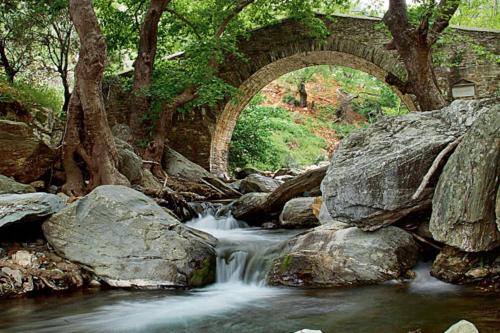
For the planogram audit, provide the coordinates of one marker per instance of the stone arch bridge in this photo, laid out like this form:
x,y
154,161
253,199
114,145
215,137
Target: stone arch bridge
x,y
204,135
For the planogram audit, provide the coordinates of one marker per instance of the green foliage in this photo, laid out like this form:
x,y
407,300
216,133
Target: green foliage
x,y
268,138
478,13
31,95
343,129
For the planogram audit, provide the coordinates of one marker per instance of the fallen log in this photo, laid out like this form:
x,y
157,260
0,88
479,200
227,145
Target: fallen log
x,y
221,187
273,204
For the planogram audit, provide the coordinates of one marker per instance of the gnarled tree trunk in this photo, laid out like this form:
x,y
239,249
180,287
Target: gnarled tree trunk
x,y
414,45
88,145
143,67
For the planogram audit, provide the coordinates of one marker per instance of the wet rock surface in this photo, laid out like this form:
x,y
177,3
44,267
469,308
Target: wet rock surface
x,y
242,208
29,207
259,183
299,213
127,240
339,255
10,186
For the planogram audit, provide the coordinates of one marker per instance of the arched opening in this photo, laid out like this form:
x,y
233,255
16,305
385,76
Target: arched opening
x,y
227,120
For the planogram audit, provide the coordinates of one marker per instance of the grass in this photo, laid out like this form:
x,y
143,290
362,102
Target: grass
x,y
31,95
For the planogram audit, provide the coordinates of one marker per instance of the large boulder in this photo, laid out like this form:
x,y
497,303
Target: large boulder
x,y
376,171
299,213
338,255
129,164
243,207
259,183
459,267
25,156
464,203
29,207
177,165
127,240
9,185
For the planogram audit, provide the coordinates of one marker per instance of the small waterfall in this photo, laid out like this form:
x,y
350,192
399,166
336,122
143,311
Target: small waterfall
x,y
242,252
231,269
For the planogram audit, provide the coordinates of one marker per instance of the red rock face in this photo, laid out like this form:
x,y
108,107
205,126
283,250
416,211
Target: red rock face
x,y
23,155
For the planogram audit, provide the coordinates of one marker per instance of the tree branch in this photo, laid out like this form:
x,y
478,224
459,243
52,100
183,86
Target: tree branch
x,y
434,167
442,16
185,20
240,5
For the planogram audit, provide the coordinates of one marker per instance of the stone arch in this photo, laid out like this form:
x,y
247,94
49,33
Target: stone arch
x,y
378,66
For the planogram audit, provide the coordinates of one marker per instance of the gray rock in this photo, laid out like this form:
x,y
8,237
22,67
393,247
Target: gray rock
x,y
25,259
15,274
259,183
375,172
9,185
149,181
338,255
463,326
284,178
177,165
463,208
269,225
127,240
324,216
235,185
299,213
242,173
241,207
122,132
129,164
29,207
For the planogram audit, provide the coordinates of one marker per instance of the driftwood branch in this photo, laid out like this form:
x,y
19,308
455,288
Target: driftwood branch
x,y
435,165
293,188
423,240
221,187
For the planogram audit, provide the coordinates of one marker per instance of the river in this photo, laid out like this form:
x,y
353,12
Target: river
x,y
240,301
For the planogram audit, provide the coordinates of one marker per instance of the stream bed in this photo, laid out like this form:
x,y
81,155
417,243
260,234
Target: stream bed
x,y
240,302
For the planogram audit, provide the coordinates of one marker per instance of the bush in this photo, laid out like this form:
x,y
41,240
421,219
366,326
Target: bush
x,y
268,138
30,95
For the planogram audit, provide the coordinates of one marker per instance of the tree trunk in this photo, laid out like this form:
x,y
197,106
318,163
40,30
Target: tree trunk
x,y
88,140
303,95
414,46
143,67
10,72
154,151
422,83
67,93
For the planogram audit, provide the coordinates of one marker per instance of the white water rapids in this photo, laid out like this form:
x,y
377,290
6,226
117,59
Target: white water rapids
x,y
240,282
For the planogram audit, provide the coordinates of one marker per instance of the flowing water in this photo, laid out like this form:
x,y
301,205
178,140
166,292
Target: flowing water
x,y
240,301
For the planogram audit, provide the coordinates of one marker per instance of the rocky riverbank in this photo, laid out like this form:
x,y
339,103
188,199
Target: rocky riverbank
x,y
391,192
